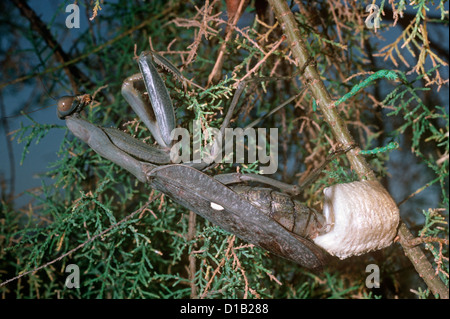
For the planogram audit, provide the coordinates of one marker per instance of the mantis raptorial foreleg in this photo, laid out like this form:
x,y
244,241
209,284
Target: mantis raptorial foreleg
x,y
100,142
160,116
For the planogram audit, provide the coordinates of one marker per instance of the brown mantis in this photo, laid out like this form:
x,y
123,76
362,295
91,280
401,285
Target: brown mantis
x,y
261,216
249,215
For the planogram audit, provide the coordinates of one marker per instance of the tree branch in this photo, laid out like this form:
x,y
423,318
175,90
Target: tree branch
x,y
318,90
192,259
40,27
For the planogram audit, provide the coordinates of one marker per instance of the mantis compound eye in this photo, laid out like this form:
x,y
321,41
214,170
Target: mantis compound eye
x,y
67,105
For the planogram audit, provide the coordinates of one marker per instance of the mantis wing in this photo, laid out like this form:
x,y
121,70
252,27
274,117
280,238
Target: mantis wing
x,y
225,208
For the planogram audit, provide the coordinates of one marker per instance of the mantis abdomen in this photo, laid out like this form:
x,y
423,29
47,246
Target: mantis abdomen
x,y
289,213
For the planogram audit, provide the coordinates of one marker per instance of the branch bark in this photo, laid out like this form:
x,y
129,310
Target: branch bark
x,y
312,80
233,18
61,56
192,266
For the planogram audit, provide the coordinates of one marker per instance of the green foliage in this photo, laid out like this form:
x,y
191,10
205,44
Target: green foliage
x,y
390,75
425,124
436,226
30,133
391,146
129,241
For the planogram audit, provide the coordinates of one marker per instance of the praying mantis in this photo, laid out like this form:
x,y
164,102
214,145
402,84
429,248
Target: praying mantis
x,y
358,217
244,211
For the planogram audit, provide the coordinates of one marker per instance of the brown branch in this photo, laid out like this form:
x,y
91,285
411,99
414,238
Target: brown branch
x,y
404,23
216,71
192,266
8,197
260,62
94,50
341,134
421,240
220,265
40,27
421,263
318,90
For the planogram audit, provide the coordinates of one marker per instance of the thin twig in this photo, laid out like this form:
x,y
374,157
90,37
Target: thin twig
x,y
216,71
12,162
260,62
94,50
192,267
72,71
221,264
421,240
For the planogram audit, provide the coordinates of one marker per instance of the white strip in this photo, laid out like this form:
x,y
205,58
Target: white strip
x,y
216,206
